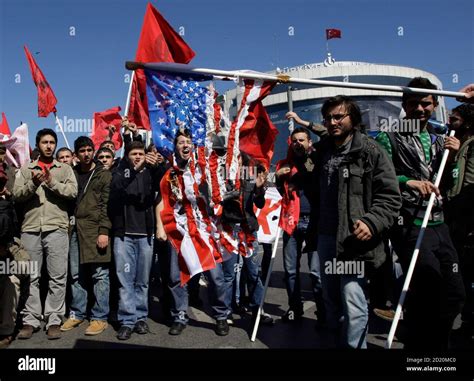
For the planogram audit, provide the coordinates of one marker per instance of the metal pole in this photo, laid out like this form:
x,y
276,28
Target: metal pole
x,y
62,131
291,122
414,257
227,74
127,107
267,281
127,104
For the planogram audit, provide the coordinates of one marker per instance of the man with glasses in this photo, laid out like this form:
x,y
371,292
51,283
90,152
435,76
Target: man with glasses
x,y
357,200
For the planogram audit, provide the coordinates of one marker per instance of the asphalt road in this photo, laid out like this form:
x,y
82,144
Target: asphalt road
x,y
200,331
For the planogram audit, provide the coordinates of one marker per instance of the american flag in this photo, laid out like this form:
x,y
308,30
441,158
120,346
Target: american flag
x,y
174,102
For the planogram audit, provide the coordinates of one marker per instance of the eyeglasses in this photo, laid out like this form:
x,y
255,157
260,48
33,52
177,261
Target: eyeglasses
x,y
104,157
336,117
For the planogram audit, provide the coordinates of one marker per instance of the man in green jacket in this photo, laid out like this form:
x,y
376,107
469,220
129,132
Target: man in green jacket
x,y
436,286
43,189
89,251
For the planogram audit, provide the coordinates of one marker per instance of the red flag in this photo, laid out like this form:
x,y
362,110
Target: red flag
x,y
100,131
46,98
333,33
4,129
158,43
255,91
258,135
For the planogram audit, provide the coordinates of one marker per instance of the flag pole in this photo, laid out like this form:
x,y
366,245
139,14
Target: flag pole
x,y
229,74
267,281
127,107
414,257
58,122
129,95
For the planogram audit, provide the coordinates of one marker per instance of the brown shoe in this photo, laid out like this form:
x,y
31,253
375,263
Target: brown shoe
x,y
54,332
96,327
26,332
388,314
5,341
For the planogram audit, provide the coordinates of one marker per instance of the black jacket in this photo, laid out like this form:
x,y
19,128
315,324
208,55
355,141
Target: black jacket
x,y
132,189
238,207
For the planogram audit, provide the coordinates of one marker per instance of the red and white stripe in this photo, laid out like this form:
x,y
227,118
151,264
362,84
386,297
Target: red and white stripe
x,y
192,233
254,91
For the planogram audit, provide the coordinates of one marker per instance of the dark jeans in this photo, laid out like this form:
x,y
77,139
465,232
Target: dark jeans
x,y
436,293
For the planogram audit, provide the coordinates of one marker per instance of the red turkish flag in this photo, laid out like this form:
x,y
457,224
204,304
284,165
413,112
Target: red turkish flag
x,y
46,99
158,42
100,131
333,33
4,129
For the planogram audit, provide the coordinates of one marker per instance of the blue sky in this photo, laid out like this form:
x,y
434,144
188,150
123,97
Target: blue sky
x,y
86,70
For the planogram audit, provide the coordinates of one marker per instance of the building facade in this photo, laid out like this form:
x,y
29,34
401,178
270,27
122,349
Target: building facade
x,y
377,107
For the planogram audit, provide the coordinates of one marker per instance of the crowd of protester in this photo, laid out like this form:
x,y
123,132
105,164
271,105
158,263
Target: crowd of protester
x,y
352,204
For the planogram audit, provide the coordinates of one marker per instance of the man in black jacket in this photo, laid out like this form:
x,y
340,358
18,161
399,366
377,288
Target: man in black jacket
x,y
357,202
132,199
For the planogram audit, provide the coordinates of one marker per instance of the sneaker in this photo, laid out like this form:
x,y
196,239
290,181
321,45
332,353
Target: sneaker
x,y
230,319
388,315
96,327
292,316
141,327
53,332
176,328
222,328
27,331
70,324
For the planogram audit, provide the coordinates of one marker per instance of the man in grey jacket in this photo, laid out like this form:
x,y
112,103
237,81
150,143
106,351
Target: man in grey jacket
x,y
43,188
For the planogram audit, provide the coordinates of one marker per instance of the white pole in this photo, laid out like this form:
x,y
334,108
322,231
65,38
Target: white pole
x,y
183,68
127,107
267,281
127,104
58,122
414,257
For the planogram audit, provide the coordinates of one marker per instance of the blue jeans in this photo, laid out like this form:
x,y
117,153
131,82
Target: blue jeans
x,y
79,274
133,258
254,283
292,252
344,298
179,294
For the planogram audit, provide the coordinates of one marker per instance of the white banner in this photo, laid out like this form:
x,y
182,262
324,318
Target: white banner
x,y
269,217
